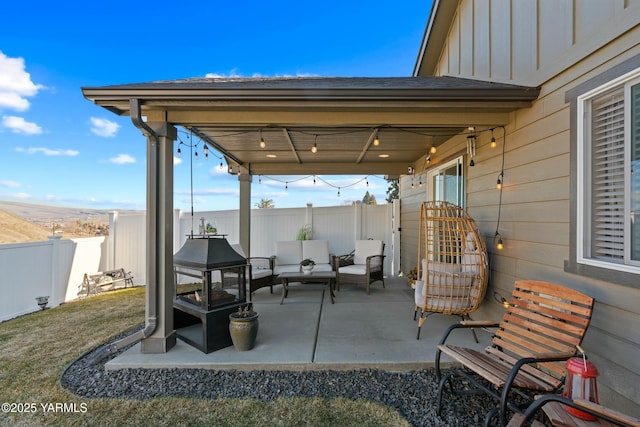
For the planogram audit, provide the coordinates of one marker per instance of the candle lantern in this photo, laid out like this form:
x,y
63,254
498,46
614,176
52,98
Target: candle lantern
x,y
580,383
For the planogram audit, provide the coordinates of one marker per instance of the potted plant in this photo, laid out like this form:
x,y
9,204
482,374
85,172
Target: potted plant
x,y
307,265
42,302
305,232
243,327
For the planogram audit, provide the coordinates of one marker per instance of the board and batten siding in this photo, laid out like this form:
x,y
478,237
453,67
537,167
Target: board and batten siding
x,y
556,45
529,41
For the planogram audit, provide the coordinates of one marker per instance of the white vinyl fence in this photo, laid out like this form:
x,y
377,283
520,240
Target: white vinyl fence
x,y
53,268
56,267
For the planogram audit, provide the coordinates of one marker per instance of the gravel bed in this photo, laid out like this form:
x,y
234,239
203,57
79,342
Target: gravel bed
x,y
412,393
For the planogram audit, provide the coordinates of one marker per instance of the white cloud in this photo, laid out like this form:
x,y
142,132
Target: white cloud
x,y
232,74
22,195
10,184
20,125
15,84
177,160
104,127
217,170
122,159
48,151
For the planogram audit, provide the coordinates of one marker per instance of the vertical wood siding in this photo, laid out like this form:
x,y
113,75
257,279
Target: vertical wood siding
x,y
519,40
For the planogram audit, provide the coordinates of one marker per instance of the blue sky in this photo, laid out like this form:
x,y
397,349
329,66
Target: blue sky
x,y
58,148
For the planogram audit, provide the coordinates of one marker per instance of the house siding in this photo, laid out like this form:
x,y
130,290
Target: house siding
x,y
530,41
557,46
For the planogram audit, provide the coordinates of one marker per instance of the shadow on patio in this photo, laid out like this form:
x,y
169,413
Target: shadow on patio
x,y
308,332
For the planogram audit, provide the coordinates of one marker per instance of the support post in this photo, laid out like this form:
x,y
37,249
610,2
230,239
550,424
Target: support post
x,y
160,237
245,179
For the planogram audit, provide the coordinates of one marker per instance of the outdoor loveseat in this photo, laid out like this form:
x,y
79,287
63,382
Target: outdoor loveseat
x,y
289,255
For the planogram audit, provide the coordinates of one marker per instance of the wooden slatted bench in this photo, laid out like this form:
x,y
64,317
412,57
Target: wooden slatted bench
x,y
554,408
540,330
104,281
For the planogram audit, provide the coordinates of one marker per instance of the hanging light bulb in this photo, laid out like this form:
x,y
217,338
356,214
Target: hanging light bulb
x,y
376,140
221,166
286,186
338,191
259,179
206,151
499,243
262,143
493,143
179,151
196,154
433,149
499,183
314,179
314,149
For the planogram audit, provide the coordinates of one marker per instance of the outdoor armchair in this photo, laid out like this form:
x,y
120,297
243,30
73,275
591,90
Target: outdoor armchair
x,y
261,271
367,265
554,404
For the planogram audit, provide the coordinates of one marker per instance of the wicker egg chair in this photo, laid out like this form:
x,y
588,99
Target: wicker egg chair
x,y
453,266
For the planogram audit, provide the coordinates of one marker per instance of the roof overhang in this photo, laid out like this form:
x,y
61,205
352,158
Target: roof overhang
x,y
341,115
435,35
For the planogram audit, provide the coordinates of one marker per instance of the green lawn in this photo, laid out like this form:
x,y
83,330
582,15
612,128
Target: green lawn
x,y
35,349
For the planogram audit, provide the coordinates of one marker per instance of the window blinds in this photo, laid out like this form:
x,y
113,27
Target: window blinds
x,y
608,183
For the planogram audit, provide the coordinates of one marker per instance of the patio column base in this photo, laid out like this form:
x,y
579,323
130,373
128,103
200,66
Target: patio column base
x,y
155,345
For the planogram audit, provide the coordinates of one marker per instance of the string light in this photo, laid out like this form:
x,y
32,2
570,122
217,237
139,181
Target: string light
x,y
497,237
314,149
376,140
433,149
493,143
262,143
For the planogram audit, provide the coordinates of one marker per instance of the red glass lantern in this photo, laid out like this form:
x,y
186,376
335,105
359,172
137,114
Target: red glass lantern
x,y
580,383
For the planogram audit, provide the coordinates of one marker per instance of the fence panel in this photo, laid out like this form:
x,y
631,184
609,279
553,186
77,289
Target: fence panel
x,y
26,274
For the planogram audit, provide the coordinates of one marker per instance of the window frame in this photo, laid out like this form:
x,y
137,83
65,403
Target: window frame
x,y
626,275
432,173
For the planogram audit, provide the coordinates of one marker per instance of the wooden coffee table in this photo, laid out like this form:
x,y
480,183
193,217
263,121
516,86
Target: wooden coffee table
x,y
327,277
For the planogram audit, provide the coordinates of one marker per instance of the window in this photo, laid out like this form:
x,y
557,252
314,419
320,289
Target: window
x,y
446,182
608,172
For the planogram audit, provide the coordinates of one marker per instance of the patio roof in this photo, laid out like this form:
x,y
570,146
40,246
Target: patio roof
x,y
342,115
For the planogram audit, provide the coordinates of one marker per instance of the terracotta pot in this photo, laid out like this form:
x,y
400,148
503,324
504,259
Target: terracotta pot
x,y
243,330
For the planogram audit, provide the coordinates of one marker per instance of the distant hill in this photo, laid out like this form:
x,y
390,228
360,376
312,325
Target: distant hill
x,y
14,229
47,213
26,222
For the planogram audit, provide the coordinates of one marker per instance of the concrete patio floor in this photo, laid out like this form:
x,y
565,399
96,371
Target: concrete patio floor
x,y
308,332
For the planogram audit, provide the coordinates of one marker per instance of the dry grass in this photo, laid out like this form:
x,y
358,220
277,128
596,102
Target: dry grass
x,y
35,349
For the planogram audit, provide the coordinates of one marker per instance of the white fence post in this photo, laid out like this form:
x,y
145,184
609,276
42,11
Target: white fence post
x,y
357,221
